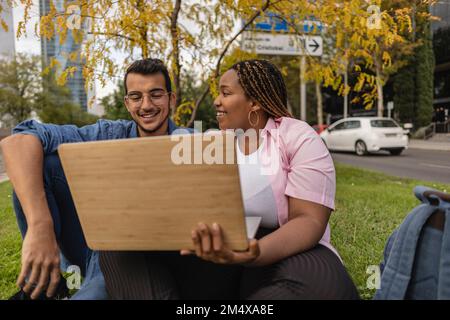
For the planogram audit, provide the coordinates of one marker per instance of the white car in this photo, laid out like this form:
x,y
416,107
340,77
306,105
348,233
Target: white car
x,y
366,134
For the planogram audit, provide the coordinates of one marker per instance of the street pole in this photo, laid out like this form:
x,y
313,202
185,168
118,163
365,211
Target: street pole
x,y
302,88
346,95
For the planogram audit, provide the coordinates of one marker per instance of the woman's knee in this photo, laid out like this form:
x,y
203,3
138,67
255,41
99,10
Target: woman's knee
x,y
315,274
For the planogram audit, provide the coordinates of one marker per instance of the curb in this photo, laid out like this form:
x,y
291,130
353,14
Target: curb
x,y
3,177
428,145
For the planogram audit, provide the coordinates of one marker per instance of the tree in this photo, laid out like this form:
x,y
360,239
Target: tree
x,y
54,105
424,83
114,105
205,32
405,91
19,83
140,28
367,39
413,85
206,112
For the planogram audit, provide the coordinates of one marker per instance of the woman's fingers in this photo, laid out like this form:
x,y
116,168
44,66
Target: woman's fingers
x,y
254,248
217,237
205,238
197,243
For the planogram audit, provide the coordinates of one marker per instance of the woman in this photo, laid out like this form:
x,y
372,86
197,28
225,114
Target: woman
x,y
292,257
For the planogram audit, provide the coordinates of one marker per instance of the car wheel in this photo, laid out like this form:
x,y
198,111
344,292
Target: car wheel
x,y
360,148
396,152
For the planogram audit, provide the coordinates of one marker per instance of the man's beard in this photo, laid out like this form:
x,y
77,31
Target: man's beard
x,y
157,128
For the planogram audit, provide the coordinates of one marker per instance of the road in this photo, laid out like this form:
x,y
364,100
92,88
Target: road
x,y
428,165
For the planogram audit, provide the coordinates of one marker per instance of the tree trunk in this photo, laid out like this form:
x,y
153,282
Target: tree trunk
x,y
176,66
379,91
289,107
346,94
143,32
319,103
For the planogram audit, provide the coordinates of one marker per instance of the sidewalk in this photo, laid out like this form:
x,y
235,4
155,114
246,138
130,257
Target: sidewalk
x,y
3,176
428,145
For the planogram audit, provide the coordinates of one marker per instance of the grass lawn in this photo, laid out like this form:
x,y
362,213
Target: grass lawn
x,y
10,244
369,207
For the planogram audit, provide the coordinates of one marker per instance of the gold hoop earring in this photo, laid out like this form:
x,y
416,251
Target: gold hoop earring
x,y
250,118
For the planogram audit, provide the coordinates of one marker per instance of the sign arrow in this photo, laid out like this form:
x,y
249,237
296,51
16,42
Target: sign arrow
x,y
315,45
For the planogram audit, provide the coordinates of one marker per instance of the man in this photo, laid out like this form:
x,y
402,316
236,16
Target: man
x,y
44,208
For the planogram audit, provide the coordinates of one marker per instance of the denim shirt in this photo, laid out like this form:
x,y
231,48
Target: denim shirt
x,y
52,135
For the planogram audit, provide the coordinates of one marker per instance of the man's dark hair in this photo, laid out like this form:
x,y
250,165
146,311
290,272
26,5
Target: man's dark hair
x,y
146,67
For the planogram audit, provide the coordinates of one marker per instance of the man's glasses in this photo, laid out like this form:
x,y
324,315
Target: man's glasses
x,y
157,98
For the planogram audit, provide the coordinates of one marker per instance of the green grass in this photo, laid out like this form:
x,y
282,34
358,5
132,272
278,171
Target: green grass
x,y
10,244
369,206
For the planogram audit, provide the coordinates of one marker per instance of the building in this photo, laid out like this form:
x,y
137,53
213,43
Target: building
x,y
7,51
7,39
441,46
51,48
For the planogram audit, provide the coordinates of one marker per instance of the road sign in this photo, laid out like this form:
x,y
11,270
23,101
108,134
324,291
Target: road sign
x,y
390,107
282,44
274,23
270,22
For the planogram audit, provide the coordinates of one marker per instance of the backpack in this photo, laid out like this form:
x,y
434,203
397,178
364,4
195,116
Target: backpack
x,y
417,254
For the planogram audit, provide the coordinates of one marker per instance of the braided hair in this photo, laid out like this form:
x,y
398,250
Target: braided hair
x,y
263,82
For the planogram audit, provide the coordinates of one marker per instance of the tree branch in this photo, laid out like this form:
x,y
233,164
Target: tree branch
x,y
222,55
112,34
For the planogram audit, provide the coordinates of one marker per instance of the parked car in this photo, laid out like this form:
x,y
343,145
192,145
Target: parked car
x,y
366,134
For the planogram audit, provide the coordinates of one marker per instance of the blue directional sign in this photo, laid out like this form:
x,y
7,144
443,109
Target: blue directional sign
x,y
272,22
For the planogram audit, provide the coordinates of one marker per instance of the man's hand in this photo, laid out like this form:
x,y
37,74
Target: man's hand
x,y
23,156
209,245
40,262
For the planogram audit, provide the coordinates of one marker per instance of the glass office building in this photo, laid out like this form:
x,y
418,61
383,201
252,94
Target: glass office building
x,y
7,47
51,48
441,46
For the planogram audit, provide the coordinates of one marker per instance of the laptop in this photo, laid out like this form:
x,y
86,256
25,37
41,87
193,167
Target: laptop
x,y
149,193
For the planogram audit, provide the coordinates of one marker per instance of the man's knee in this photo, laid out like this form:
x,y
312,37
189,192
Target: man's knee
x,y
52,164
53,171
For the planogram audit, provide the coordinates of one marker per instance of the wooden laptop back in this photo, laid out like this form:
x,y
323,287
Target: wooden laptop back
x,y
130,195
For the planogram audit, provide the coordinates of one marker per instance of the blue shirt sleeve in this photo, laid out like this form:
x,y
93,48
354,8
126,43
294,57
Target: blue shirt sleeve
x,y
51,135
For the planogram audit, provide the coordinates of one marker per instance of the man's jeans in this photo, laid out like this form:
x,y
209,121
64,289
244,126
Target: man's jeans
x,y
74,250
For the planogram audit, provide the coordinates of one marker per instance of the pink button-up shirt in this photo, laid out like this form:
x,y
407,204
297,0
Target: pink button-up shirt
x,y
298,165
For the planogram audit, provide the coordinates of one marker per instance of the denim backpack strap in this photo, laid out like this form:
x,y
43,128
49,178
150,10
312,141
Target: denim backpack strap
x,y
444,268
397,272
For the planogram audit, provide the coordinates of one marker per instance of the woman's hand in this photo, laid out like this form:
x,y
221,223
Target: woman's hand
x,y
209,245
